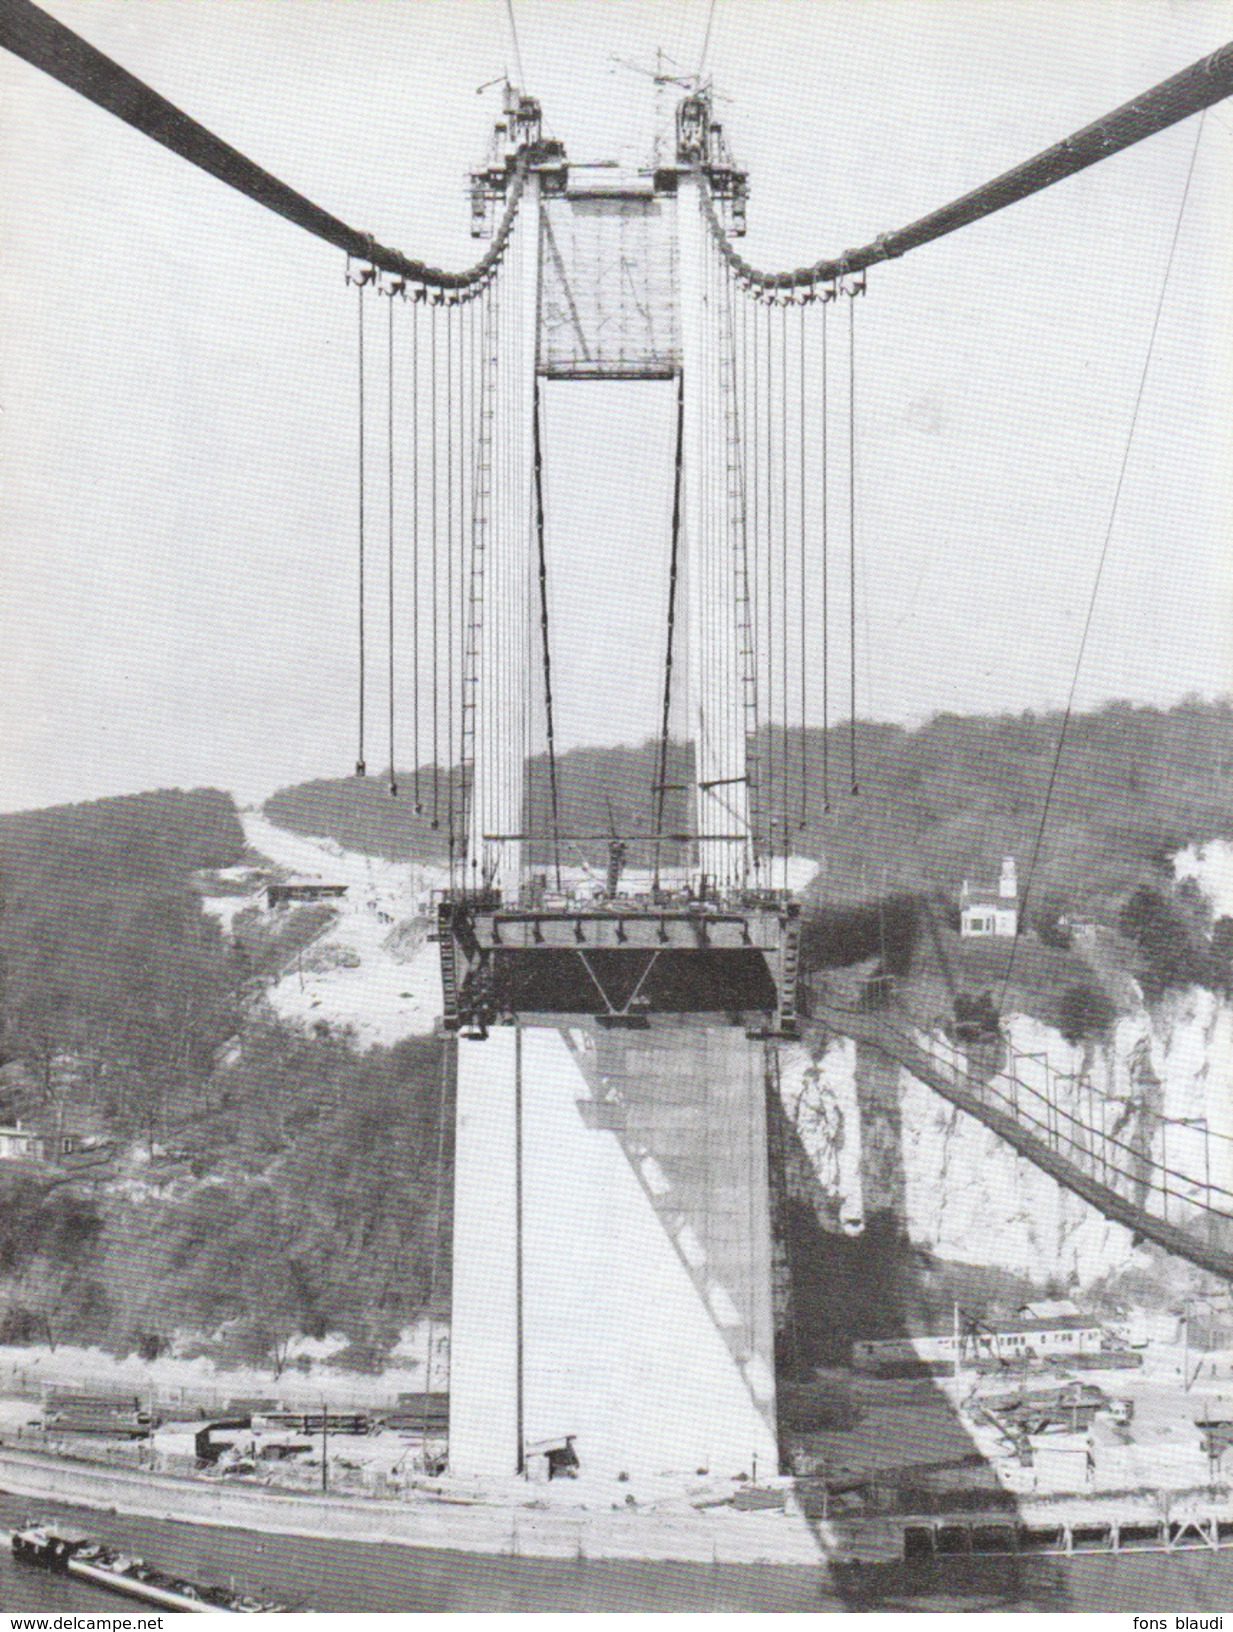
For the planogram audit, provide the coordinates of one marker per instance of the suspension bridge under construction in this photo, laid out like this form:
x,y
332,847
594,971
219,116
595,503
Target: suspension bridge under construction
x,y
613,1046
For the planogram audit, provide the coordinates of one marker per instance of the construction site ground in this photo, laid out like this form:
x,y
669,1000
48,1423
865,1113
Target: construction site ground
x,y
929,1442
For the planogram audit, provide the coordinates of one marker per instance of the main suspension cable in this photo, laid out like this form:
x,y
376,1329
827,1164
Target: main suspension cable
x,y
31,34
1184,94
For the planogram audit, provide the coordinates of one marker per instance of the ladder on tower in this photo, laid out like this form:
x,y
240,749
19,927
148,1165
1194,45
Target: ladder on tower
x,y
481,511
789,973
450,1016
738,530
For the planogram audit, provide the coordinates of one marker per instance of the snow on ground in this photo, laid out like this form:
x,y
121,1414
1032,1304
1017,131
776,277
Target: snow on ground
x,y
1211,867
226,908
390,992
373,971
309,1377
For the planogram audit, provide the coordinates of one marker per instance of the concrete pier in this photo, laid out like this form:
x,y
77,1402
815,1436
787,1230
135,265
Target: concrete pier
x,y
612,1257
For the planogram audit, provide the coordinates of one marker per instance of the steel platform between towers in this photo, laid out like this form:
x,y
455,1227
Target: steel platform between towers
x,y
620,961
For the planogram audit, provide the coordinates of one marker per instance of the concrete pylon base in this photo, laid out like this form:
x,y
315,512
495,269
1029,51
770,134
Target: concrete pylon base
x,y
612,1257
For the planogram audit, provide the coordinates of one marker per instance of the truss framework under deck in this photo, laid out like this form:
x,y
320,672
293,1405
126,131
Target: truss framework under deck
x,y
620,962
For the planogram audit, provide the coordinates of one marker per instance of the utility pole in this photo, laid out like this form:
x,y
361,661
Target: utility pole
x,y
325,1449
958,1343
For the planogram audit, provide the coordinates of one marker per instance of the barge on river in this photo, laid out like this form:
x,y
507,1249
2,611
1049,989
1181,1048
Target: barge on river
x,y
70,1552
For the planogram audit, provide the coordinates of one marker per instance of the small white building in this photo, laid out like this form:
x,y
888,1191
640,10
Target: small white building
x,y
24,1144
18,1144
991,912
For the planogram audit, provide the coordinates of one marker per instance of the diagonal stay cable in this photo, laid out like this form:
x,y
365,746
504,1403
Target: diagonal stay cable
x,y
1100,562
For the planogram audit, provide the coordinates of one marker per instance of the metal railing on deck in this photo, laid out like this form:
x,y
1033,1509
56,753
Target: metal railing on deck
x,y
1120,1156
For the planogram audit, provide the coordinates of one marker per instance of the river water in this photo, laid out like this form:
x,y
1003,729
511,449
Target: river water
x,y
310,1574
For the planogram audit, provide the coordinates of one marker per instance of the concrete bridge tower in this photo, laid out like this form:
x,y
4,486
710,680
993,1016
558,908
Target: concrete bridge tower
x,y
612,1254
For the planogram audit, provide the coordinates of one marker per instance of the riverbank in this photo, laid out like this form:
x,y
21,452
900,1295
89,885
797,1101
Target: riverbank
x,y
522,1528
342,1575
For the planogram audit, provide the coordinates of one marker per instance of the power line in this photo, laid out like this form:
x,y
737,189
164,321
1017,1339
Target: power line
x,y
1100,563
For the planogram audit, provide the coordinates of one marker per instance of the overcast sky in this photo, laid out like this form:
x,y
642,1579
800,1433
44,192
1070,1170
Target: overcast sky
x,y
177,365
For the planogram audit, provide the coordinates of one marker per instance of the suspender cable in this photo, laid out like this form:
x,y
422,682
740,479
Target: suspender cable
x,y
464,590
499,600
530,679
483,535
740,375
466,751
436,607
715,718
537,455
770,598
826,615
745,728
460,606
390,492
448,1047
755,518
712,716
783,576
449,583
804,439
460,591
415,552
359,758
852,524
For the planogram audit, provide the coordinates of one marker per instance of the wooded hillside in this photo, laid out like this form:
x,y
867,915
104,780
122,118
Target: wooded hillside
x,y
936,804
